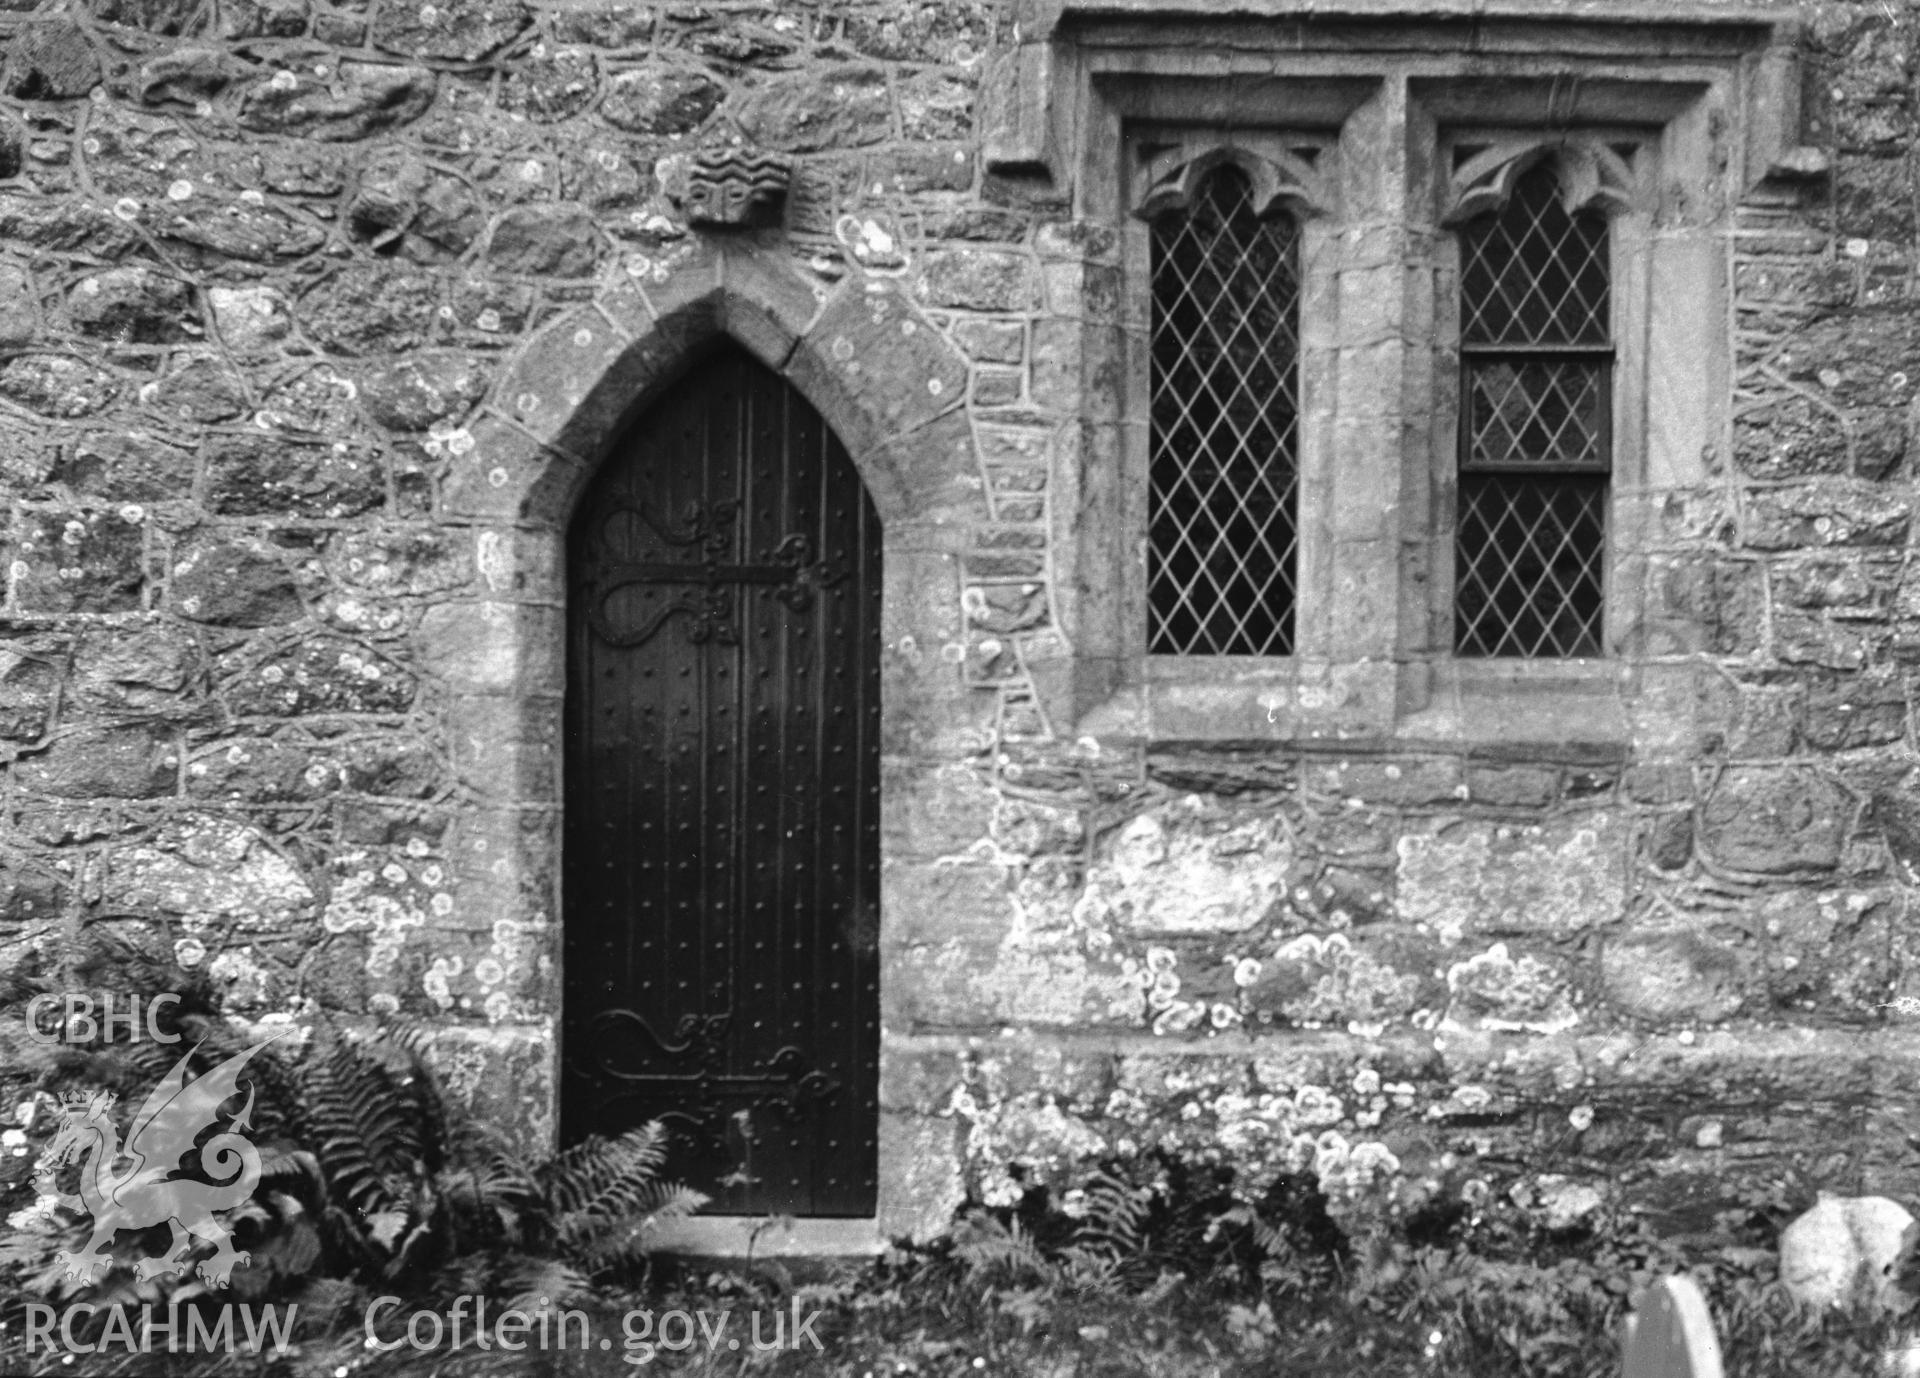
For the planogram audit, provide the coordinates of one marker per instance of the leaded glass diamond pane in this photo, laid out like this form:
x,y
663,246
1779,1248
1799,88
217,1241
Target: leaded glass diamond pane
x,y
1534,273
1536,357
1535,412
1528,565
1224,408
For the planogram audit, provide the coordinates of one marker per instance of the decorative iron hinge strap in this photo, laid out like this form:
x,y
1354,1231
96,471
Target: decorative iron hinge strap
x,y
794,580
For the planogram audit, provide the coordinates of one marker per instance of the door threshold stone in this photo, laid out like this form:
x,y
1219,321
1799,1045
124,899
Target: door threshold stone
x,y
734,1237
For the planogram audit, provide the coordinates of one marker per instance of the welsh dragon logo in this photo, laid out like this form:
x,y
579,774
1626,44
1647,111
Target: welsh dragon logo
x,y
145,1193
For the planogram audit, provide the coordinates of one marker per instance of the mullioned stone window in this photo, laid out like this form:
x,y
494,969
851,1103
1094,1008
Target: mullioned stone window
x,y
1432,601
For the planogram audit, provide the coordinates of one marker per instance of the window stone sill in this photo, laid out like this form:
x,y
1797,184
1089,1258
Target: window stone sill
x,y
1575,709
1565,710
1273,700
1613,12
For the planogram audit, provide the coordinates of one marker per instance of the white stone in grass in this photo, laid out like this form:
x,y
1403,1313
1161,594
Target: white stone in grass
x,y
1841,1243
1903,1362
1565,1204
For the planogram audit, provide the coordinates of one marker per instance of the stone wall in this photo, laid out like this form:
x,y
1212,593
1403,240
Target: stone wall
x,y
300,305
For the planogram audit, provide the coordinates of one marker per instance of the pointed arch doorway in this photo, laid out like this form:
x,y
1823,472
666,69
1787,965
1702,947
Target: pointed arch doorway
x,y
722,845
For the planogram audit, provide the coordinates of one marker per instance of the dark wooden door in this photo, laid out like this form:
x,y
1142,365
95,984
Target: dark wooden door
x,y
722,793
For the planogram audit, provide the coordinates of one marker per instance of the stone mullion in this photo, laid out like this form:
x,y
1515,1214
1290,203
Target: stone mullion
x,y
1360,480
1428,384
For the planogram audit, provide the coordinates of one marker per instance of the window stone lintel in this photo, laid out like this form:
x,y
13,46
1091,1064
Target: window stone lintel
x,y
1036,83
1639,14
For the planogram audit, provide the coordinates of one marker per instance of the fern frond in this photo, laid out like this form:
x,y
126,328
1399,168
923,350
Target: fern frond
x,y
534,1283
501,1177
991,1249
589,1176
24,1055
1271,1239
405,1048
1116,1216
289,1168
599,1240
603,1197
1092,1272
366,1122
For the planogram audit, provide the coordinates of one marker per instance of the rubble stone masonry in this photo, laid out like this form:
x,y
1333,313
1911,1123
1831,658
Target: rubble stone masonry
x,y
315,316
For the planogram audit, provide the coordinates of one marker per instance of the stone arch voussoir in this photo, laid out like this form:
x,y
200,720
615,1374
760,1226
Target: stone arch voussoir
x,y
889,383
